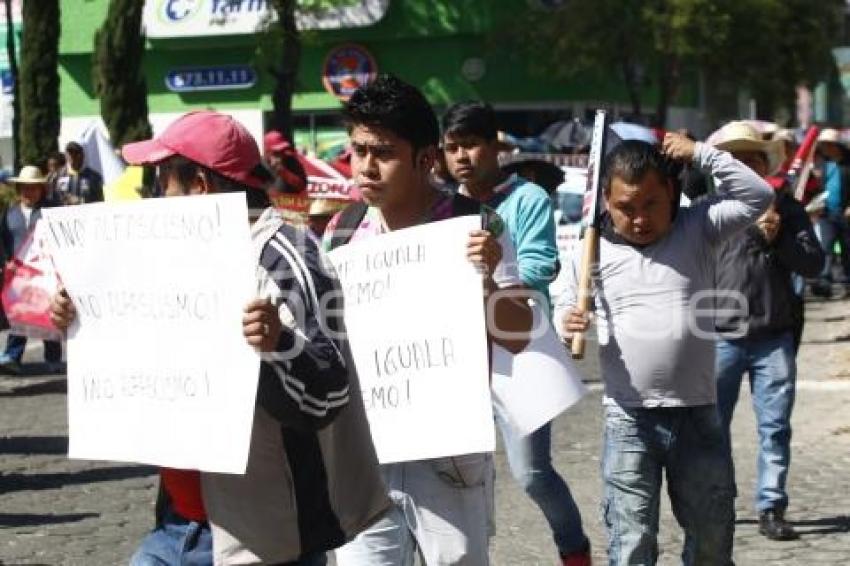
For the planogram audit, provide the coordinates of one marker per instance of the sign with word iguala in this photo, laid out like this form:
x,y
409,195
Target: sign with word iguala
x,y
158,369
415,320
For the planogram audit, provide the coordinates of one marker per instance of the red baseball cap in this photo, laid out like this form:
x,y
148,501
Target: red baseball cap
x,y
275,141
213,140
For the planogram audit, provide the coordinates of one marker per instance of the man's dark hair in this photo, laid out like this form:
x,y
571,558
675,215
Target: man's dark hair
x,y
74,147
185,170
57,156
471,118
390,103
631,160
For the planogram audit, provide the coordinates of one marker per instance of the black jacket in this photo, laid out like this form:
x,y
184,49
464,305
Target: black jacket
x,y
761,272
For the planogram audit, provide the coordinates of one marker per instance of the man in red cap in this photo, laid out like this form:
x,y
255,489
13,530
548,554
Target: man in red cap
x,y
290,176
312,478
288,192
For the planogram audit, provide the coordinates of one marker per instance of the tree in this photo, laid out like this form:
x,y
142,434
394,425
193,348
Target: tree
x,y
285,69
13,69
117,73
778,45
39,80
649,43
280,49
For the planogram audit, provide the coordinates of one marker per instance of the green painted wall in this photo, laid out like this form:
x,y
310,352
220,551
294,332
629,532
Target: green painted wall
x,y
424,42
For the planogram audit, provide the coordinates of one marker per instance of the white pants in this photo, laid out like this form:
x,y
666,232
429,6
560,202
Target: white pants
x,y
442,507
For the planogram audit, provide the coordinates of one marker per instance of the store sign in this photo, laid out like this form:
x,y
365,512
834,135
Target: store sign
x,y
194,18
223,77
347,68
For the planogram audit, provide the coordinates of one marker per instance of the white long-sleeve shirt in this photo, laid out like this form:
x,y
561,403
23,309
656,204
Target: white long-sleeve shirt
x,y
654,304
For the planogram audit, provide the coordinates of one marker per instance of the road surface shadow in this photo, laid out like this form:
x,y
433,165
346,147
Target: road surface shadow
x,y
34,445
824,526
42,388
32,520
37,482
836,340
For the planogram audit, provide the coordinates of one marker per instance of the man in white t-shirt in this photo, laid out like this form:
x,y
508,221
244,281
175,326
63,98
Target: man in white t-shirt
x,y
441,507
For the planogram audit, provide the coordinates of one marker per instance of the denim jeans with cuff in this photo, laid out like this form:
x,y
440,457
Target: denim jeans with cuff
x,y
687,443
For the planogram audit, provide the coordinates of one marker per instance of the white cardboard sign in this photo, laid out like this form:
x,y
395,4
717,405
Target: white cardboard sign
x,y
415,320
158,369
539,383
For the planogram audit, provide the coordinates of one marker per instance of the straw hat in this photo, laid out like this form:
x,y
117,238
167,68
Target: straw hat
x,y
29,175
785,135
325,207
740,136
829,135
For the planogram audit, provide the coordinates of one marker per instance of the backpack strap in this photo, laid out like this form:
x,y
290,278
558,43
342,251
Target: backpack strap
x,y
349,220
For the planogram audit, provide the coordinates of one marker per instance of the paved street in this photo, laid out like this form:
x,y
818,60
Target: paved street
x,y
57,511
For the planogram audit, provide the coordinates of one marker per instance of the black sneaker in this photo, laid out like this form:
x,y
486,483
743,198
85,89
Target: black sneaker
x,y
773,525
10,366
822,289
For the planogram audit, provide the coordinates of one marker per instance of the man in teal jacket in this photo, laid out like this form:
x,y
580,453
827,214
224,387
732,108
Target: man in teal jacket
x,y
470,145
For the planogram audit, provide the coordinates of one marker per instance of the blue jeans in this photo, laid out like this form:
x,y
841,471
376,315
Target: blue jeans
x,y
687,442
772,368
175,542
833,228
15,345
531,466
179,542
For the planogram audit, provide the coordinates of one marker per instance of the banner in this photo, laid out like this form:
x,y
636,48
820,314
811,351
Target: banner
x,y
28,284
158,369
100,153
414,314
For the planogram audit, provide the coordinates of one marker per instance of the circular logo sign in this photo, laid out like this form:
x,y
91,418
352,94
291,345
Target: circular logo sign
x,y
177,11
347,68
473,69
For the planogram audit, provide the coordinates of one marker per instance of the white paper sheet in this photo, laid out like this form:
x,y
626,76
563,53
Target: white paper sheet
x,y
158,369
415,319
538,384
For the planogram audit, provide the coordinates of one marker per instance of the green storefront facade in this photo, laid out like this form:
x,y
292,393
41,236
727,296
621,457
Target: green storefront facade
x,y
449,48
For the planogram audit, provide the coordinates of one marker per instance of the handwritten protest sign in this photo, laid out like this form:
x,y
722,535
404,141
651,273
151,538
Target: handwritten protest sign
x,y
536,385
415,320
28,283
158,369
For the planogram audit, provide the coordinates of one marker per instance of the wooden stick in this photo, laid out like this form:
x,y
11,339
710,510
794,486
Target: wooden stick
x,y
585,292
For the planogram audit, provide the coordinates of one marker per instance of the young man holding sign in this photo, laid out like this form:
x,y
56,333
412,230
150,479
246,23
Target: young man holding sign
x,y
312,479
443,505
654,304
471,148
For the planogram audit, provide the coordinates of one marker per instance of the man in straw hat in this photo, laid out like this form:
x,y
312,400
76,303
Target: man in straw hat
x,y
320,212
18,222
653,294
833,227
312,478
758,266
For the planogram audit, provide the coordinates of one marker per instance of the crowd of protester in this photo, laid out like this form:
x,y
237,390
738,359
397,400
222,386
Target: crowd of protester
x,y
684,220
